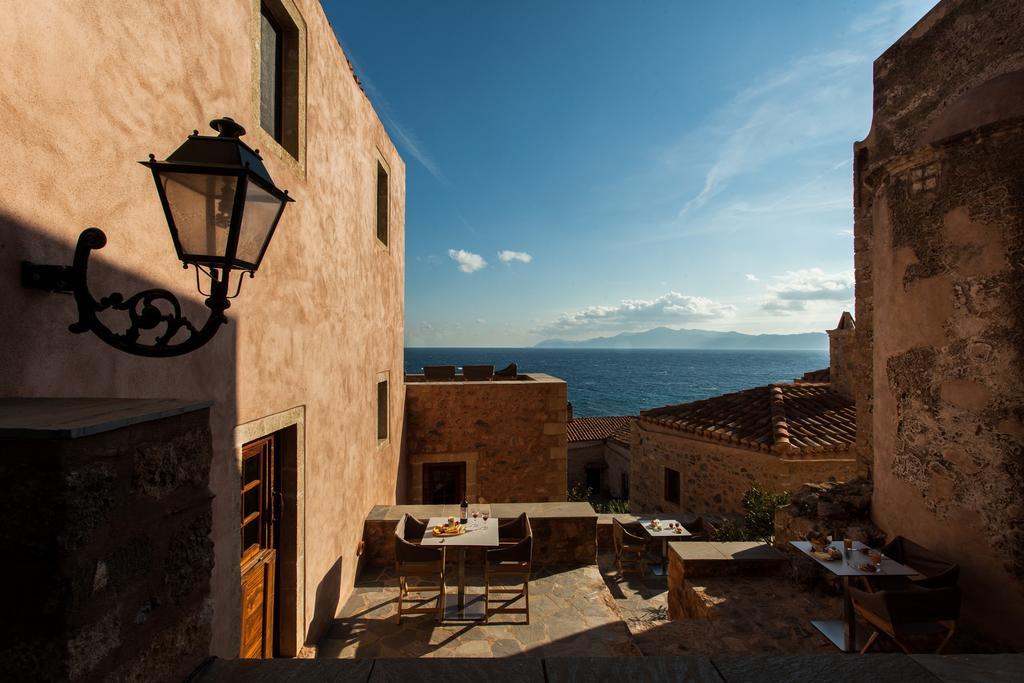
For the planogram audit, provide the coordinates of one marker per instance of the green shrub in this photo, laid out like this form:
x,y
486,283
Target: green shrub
x,y
758,520
580,494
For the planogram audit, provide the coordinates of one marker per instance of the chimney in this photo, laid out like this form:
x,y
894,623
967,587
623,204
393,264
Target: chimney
x,y
841,355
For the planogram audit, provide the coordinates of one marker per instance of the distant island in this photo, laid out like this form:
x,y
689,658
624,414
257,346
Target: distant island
x,y
667,338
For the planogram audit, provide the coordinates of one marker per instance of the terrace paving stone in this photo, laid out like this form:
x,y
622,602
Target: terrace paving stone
x,y
786,669
526,670
634,670
996,668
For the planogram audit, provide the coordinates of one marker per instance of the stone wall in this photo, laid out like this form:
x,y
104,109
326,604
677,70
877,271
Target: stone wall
x,y
713,477
939,239
843,360
563,533
322,318
512,431
108,553
579,457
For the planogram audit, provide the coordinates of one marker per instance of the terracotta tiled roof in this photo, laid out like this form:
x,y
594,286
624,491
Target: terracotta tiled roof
x,y
804,417
615,427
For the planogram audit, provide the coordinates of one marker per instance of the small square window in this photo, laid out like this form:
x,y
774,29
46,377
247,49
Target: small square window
x,y
382,410
382,204
671,486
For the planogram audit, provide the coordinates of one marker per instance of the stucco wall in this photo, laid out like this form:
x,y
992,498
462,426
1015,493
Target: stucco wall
x,y
92,87
513,430
712,477
939,233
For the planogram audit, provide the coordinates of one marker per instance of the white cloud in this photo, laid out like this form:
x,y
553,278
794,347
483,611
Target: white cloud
x,y
507,256
750,277
467,260
481,321
810,288
633,314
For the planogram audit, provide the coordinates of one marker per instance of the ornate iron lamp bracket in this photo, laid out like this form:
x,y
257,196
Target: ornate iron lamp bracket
x,y
143,312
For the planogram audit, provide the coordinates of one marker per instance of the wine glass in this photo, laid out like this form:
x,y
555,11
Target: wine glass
x,y
486,514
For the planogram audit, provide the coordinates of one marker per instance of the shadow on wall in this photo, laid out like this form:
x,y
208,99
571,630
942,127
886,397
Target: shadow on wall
x,y
328,594
42,358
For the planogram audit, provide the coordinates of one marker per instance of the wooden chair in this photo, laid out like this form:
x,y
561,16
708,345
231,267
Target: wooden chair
x,y
510,371
630,547
438,373
419,562
906,614
934,571
511,564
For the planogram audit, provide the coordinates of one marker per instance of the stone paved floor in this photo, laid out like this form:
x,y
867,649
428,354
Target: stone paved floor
x,y
591,612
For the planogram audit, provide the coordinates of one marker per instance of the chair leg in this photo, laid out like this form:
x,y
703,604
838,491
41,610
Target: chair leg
x,y
526,592
871,641
401,593
945,641
440,600
487,596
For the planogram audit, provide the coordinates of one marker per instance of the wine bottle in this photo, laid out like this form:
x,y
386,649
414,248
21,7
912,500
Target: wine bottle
x,y
464,511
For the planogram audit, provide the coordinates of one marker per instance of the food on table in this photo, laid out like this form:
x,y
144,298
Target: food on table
x,y
826,555
817,539
451,528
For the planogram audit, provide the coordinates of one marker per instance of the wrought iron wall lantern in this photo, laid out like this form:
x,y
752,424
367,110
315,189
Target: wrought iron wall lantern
x,y
221,208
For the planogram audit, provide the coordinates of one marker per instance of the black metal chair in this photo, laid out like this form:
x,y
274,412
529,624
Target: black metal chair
x,y
630,547
420,563
906,615
509,566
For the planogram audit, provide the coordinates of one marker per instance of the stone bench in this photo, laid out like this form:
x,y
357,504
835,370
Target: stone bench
x,y
563,533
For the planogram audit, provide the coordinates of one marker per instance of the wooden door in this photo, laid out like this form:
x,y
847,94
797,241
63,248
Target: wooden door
x,y
259,509
444,483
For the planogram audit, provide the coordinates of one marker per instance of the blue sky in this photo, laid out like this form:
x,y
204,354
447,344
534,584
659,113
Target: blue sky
x,y
584,168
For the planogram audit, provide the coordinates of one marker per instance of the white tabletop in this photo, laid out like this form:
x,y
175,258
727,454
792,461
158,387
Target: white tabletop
x,y
850,566
479,533
665,531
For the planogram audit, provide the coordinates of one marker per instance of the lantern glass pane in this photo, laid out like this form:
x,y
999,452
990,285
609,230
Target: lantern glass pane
x,y
261,210
201,207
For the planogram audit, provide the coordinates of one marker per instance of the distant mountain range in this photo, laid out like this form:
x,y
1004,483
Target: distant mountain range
x,y
666,338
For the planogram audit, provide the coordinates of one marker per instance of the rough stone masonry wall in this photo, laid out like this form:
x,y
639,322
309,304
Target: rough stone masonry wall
x,y
108,554
515,430
939,239
713,478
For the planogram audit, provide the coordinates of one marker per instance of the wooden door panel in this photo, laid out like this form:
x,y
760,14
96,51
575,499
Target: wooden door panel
x,y
258,557
253,588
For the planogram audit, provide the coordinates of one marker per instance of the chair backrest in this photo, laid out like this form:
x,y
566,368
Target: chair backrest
x,y
438,373
915,606
521,550
509,371
410,529
477,373
515,529
627,534
940,572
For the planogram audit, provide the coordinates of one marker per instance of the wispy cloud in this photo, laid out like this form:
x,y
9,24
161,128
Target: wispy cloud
x,y
751,277
507,256
401,133
671,308
467,260
797,290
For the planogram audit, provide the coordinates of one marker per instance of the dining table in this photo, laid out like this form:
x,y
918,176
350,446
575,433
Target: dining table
x,y
843,633
664,533
479,533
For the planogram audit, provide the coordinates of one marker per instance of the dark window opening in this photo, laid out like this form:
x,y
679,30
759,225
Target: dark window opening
x,y
382,203
444,483
671,486
279,75
382,410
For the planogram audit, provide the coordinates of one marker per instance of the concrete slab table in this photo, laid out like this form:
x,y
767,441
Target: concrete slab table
x,y
480,533
664,534
843,634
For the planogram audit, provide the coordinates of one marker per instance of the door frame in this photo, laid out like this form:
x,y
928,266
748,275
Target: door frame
x,y
460,479
289,634
415,471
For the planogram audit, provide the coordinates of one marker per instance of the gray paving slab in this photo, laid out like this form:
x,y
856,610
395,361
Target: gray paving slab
x,y
872,668
631,669
285,671
511,669
998,668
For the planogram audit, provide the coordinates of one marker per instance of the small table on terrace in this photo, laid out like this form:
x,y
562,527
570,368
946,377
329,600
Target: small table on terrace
x,y
843,634
479,534
665,534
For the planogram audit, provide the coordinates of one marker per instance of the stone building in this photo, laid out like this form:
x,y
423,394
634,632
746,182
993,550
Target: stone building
x,y
704,455
501,440
309,367
939,256
599,454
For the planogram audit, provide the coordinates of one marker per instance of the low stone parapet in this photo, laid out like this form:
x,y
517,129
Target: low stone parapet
x,y
563,533
694,566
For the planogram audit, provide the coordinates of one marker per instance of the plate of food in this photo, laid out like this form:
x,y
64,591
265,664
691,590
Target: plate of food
x,y
827,555
819,542
450,528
